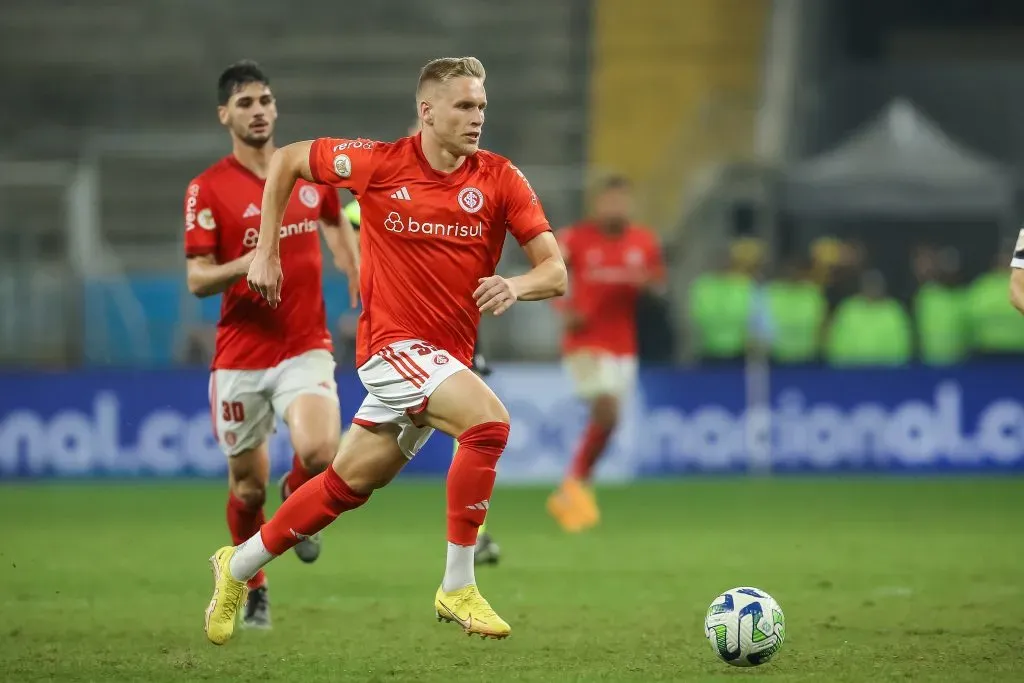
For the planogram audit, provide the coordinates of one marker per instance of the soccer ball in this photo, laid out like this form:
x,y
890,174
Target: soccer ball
x,y
745,626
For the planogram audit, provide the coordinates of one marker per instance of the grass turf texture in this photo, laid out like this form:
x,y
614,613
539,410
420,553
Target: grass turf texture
x,y
880,580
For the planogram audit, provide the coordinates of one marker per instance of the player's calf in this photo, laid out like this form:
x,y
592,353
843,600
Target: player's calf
x,y
247,481
466,408
367,460
314,424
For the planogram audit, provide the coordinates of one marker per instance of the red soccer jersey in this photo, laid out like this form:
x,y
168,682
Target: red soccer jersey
x,y
426,237
604,275
222,217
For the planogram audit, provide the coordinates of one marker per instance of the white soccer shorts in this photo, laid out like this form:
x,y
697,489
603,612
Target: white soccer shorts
x,y
598,373
399,380
243,403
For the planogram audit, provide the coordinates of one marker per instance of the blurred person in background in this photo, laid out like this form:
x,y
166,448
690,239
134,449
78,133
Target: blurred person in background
x,y
837,266
720,304
611,261
939,312
267,361
870,328
996,330
798,312
487,550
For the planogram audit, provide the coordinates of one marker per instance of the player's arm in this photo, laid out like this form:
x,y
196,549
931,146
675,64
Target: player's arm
x,y
655,280
546,279
526,221
287,165
203,274
318,161
344,244
206,277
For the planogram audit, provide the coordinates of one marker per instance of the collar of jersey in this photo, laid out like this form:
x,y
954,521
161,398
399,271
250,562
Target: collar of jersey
x,y
452,178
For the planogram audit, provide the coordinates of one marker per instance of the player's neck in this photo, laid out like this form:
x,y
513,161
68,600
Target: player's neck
x,y
440,159
255,159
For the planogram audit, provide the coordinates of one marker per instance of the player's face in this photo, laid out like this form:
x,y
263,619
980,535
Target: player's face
x,y
250,114
614,207
456,115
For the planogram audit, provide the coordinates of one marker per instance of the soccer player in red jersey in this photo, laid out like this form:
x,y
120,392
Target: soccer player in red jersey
x,y
611,261
269,361
435,211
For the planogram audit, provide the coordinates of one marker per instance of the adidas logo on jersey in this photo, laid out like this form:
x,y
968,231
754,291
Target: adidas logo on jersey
x,y
251,211
402,194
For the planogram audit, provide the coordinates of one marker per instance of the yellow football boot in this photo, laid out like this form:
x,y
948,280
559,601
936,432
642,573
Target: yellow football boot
x,y
228,598
467,608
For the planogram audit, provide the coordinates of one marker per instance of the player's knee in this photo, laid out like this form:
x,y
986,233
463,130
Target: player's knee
x,y
251,492
317,456
486,436
493,411
605,412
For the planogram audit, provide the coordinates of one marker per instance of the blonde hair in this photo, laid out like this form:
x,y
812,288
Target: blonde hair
x,y
446,68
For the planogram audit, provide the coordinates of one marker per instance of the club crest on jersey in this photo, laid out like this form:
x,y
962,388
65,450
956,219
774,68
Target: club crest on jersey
x,y
309,196
441,359
471,199
343,166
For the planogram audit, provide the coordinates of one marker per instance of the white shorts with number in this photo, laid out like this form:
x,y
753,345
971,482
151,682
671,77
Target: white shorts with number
x,y
244,403
399,380
597,373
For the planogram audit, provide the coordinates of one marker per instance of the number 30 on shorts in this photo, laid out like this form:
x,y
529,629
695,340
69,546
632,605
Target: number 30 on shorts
x,y
232,411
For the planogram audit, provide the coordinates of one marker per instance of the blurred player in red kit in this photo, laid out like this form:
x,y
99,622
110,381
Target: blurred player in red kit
x,y
435,212
611,261
268,361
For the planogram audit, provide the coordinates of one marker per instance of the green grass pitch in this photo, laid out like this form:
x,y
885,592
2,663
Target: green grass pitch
x,y
880,580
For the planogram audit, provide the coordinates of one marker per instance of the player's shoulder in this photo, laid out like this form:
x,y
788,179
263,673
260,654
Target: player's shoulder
x,y
350,145
642,233
582,228
216,172
494,164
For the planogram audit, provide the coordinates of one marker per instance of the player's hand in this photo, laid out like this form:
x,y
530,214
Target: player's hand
x,y
496,294
265,277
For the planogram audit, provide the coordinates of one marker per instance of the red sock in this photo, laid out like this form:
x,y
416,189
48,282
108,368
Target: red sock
x,y
471,479
589,451
296,477
309,510
243,522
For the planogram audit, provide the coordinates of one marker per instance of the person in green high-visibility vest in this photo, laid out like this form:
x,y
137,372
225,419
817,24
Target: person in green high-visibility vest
x,y
720,304
940,313
996,330
798,310
870,329
487,550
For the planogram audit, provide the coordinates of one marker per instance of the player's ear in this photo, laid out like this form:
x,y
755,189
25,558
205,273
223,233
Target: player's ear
x,y
426,112
222,115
